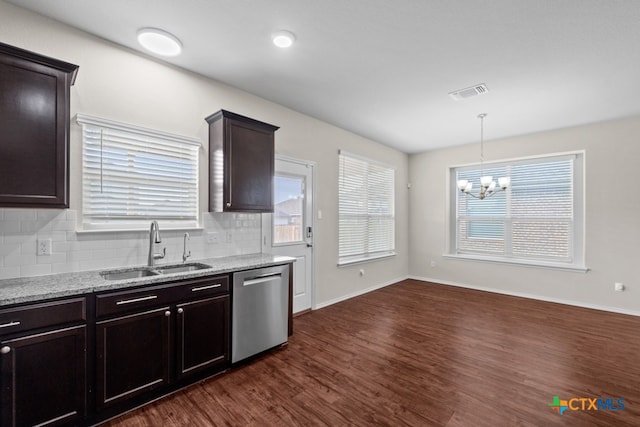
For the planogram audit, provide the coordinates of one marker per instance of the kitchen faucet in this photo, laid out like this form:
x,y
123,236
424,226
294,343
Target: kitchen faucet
x,y
186,255
154,237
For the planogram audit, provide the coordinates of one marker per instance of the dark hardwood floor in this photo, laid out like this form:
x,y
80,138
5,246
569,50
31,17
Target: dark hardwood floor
x,y
420,354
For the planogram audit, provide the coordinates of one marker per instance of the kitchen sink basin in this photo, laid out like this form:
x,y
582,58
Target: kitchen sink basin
x,y
181,268
128,274
136,273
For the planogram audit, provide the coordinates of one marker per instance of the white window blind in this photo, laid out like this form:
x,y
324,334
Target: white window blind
x,y
365,208
132,175
537,220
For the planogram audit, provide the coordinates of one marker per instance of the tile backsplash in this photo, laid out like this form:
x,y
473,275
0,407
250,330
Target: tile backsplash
x,y
20,229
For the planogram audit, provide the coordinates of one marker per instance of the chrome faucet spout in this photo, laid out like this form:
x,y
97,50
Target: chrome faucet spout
x,y
154,237
186,254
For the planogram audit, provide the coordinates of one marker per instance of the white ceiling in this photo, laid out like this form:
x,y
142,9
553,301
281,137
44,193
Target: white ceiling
x,y
383,69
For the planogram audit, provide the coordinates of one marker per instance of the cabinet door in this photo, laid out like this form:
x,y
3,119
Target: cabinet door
x,y
203,335
249,168
44,378
34,129
132,355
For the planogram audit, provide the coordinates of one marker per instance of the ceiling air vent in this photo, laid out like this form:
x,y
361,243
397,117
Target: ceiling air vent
x,y
468,92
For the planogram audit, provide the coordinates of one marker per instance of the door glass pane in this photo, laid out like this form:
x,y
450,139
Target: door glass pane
x,y
288,222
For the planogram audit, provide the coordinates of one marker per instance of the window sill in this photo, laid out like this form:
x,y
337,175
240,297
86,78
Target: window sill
x,y
365,258
524,263
136,230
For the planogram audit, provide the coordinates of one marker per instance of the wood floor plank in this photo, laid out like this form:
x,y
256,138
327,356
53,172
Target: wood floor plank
x,y
422,354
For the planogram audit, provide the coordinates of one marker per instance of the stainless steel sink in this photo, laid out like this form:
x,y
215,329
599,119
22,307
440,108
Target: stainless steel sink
x,y
128,274
181,268
136,273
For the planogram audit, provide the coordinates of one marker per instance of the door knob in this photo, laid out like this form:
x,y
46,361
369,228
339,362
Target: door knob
x,y
180,310
6,349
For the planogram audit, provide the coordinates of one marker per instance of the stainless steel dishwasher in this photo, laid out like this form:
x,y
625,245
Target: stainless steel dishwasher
x,y
259,318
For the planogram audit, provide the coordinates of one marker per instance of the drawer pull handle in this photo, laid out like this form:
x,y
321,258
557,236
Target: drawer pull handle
x,y
5,350
202,288
10,324
131,301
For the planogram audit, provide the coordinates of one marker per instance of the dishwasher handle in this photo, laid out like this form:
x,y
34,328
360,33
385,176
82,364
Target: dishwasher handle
x,y
255,280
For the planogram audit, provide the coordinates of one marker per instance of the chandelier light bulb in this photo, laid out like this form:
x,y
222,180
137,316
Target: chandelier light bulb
x,y
504,182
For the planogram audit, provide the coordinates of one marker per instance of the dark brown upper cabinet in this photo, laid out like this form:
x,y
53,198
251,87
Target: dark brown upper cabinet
x,y
241,163
34,129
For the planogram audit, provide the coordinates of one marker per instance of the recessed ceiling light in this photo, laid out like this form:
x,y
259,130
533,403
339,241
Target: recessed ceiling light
x,y
159,42
283,38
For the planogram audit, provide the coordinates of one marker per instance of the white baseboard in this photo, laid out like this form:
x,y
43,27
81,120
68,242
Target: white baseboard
x,y
530,296
358,293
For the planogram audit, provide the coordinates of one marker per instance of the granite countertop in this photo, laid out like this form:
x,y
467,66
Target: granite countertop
x,y
38,288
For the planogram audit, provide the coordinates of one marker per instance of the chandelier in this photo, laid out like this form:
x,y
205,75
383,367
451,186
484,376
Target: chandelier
x,y
487,184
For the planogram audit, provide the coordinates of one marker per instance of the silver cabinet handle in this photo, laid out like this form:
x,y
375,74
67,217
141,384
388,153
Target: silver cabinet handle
x,y
180,310
6,349
10,324
131,301
202,288
167,313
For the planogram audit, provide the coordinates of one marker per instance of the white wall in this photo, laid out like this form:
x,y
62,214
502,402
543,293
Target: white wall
x,y
612,236
119,84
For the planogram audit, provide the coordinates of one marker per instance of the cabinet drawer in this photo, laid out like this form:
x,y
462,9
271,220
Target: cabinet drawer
x,y
42,315
144,298
131,300
197,288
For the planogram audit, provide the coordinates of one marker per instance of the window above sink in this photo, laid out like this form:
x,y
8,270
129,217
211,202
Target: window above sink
x,y
131,175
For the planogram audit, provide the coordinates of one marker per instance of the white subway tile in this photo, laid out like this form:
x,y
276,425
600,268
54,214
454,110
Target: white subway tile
x,y
35,270
9,272
16,239
58,236
30,227
8,226
67,267
48,215
52,259
81,255
17,259
63,225
64,246
29,246
20,214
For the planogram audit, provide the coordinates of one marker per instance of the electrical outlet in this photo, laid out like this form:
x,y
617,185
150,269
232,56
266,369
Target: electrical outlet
x,y
229,237
44,247
213,238
618,287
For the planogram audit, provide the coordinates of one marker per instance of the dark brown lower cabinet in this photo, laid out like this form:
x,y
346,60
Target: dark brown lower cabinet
x,y
152,340
202,335
132,355
82,360
43,378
